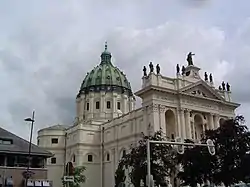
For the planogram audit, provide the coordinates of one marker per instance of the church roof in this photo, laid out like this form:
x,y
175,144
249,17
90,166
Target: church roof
x,y
19,145
106,77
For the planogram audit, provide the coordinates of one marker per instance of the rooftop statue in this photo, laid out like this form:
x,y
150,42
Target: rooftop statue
x,y
190,58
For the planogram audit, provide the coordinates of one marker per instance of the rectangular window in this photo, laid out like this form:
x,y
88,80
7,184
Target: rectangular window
x,y
108,105
90,158
54,140
97,105
53,160
87,106
118,105
38,142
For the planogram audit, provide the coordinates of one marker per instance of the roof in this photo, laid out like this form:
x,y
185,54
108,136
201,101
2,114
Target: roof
x,y
20,146
56,127
106,77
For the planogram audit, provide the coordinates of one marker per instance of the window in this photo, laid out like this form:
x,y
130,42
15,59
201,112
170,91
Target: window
x,y
124,153
74,158
118,105
108,105
54,140
108,157
97,105
90,158
53,160
38,142
87,106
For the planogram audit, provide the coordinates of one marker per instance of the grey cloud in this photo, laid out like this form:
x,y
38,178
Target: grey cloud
x,y
47,50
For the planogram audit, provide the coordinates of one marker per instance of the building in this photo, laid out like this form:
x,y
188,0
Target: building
x,y
14,160
107,122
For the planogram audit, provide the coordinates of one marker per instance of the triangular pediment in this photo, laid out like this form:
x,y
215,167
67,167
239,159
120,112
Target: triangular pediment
x,y
201,89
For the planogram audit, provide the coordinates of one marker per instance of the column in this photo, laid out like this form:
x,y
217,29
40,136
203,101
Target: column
x,y
179,123
155,117
183,127
188,125
162,119
210,121
216,120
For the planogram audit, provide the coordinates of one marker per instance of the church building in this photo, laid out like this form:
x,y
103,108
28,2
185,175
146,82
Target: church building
x,y
107,122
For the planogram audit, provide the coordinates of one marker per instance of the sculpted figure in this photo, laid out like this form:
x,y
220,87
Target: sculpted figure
x,y
177,68
158,69
220,88
190,58
210,77
183,70
206,76
223,85
228,87
151,67
144,71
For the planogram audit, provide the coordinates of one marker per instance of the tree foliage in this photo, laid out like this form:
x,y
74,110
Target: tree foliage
x,y
228,165
163,159
119,175
79,177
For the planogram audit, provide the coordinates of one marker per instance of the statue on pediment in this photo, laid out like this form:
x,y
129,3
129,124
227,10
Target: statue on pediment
x,y
223,85
183,69
151,67
228,87
144,71
178,69
158,69
190,58
206,76
210,77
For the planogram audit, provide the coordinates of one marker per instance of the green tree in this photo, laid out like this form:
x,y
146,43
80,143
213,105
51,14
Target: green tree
x,y
119,176
163,159
79,177
228,165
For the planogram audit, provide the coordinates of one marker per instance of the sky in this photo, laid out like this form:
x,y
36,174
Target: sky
x,y
47,47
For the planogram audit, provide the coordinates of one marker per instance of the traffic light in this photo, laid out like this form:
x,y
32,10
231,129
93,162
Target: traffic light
x,y
210,146
180,148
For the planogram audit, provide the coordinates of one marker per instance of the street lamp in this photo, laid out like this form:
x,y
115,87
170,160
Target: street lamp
x,y
32,120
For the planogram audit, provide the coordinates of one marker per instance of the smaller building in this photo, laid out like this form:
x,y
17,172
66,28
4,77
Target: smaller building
x,y
14,159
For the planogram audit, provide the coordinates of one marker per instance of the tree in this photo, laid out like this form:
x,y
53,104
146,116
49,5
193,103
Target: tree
x,y
79,177
119,176
163,159
228,165
197,165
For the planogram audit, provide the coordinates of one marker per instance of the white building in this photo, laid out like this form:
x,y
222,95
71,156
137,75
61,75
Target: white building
x,y
107,123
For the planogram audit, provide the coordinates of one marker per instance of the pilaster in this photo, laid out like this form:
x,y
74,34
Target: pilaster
x,y
188,125
154,117
210,121
183,126
216,121
162,110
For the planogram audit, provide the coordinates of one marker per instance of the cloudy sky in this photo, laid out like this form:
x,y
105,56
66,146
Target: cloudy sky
x,y
46,48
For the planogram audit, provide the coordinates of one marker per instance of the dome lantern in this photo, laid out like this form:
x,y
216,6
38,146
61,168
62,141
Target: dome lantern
x,y
106,55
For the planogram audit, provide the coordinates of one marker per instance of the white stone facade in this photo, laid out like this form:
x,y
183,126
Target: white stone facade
x,y
183,106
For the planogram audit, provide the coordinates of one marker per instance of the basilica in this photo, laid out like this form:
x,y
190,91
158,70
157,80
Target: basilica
x,y
107,122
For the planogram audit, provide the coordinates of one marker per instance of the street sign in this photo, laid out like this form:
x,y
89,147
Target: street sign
x,y
68,178
210,146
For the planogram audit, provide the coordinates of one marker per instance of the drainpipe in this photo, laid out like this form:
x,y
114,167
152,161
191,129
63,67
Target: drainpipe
x,y
64,159
102,155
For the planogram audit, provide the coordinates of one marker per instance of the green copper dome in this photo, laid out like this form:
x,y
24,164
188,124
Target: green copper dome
x,y
105,77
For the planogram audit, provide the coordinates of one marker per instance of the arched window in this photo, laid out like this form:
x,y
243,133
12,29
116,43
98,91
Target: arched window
x,y
90,158
124,153
108,157
74,158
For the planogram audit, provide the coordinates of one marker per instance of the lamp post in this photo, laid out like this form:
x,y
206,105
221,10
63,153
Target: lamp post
x,y
32,120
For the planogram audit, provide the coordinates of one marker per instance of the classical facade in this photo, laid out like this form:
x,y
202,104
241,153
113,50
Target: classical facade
x,y
107,122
